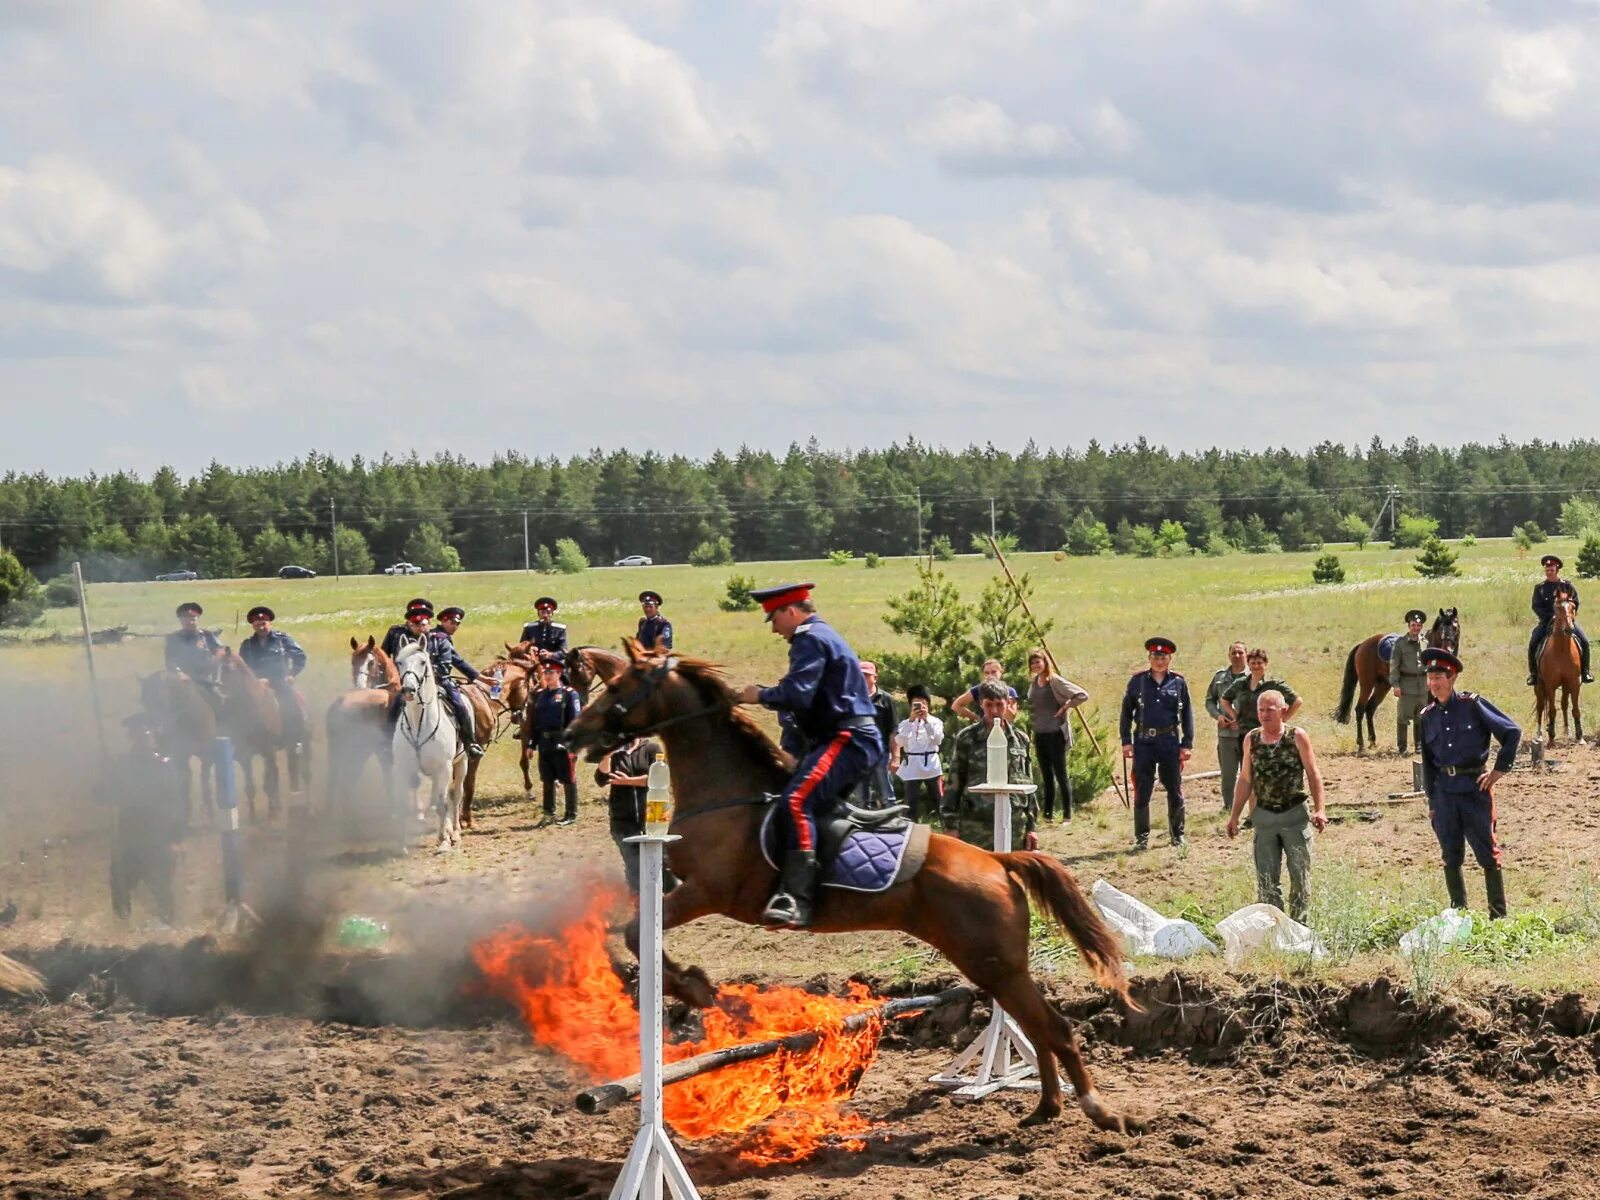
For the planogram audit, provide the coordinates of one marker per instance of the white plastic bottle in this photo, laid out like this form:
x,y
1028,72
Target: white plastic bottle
x,y
997,755
658,798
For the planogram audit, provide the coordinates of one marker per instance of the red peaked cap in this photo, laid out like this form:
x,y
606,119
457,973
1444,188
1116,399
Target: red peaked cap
x,y
772,599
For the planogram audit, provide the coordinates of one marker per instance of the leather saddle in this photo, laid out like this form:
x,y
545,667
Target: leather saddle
x,y
838,823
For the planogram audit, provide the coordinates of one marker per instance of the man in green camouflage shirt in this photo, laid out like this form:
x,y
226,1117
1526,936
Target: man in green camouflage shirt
x,y
970,815
1410,680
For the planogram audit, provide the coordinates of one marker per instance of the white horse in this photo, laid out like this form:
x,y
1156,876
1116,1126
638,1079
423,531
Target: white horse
x,y
426,735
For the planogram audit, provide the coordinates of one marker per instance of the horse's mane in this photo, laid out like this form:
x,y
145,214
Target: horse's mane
x,y
391,674
706,678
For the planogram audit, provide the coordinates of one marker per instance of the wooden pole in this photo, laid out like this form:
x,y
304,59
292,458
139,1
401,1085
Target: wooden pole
x,y
1000,557
604,1096
88,654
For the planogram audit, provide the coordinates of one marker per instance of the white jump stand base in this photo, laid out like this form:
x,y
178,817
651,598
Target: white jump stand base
x,y
1003,1057
654,1160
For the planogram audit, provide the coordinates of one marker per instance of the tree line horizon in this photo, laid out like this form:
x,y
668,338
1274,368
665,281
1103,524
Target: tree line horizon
x,y
447,513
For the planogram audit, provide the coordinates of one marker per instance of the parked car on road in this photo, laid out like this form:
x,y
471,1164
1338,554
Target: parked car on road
x,y
293,572
403,568
635,560
177,577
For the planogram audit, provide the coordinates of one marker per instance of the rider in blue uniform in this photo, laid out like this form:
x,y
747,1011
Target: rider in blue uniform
x,y
654,629
1457,729
548,636
196,652
1545,594
419,615
1158,735
442,649
827,695
276,657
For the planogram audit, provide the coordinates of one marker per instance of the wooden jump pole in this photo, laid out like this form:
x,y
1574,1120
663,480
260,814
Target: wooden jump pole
x,y
605,1096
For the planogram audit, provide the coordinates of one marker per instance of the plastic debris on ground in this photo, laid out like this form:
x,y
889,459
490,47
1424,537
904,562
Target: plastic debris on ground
x,y
1437,934
363,933
1265,927
1145,931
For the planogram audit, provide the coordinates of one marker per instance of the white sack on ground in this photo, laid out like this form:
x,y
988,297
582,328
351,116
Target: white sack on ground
x,y
1437,934
1265,927
1143,929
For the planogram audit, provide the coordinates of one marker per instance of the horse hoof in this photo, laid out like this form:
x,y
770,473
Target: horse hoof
x,y
694,989
1042,1115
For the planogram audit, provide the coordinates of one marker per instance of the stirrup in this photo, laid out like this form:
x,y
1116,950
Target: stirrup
x,y
474,750
783,911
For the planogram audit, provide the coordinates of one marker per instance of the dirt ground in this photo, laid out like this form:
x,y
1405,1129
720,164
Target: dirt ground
x,y
164,1066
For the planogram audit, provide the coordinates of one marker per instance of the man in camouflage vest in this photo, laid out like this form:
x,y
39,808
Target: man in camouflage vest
x,y
1410,680
970,815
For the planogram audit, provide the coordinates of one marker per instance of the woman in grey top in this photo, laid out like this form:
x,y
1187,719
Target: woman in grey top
x,y
1050,699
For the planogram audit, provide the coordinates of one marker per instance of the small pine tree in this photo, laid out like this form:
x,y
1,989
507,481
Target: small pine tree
x,y
1087,536
21,598
873,561
570,558
941,549
1355,529
543,561
713,552
1589,557
1327,570
739,598
1436,561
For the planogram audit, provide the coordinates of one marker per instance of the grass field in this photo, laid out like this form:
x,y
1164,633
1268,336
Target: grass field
x,y
1102,610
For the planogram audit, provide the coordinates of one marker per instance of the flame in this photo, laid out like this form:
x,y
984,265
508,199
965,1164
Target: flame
x,y
574,1004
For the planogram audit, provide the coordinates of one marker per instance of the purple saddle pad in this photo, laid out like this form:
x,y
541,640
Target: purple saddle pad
x,y
868,860
1386,646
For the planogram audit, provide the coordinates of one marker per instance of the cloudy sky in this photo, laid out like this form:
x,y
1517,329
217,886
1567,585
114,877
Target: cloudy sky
x,y
244,231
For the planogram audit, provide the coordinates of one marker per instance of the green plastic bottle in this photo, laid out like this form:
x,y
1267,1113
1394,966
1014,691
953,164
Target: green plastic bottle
x,y
363,933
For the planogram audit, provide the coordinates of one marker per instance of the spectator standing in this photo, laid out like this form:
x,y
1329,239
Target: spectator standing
x,y
915,755
551,709
1050,699
1278,765
1227,727
626,771
1239,701
1410,680
879,785
966,705
970,815
1157,728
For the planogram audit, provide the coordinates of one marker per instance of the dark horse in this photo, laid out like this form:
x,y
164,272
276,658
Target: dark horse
x,y
1558,672
968,903
1366,668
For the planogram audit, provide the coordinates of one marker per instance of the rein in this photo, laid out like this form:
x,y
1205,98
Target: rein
x,y
736,802
651,680
405,715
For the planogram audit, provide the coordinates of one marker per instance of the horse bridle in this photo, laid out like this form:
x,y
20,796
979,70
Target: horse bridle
x,y
417,743
612,733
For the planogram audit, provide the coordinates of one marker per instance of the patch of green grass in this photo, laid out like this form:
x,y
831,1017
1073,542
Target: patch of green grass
x,y
1517,938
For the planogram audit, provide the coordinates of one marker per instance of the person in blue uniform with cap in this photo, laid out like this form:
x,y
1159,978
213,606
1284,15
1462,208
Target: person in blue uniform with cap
x,y
1158,735
550,710
416,627
1545,594
276,657
827,695
654,629
196,653
446,659
547,636
1457,729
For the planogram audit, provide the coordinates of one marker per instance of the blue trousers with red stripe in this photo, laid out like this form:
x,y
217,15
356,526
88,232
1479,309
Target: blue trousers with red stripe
x,y
827,771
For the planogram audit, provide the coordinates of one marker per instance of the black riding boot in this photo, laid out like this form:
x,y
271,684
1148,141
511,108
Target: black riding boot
x,y
791,905
1583,662
1456,884
1494,880
1400,740
570,812
549,801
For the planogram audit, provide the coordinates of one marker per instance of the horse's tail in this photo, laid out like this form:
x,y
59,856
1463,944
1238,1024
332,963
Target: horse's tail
x,y
15,977
1347,693
1055,891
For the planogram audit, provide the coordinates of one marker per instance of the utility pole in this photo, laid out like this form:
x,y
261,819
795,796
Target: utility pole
x,y
333,516
991,518
919,522
527,562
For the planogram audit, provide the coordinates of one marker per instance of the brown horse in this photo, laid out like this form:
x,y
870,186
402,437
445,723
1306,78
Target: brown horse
x,y
255,721
1558,672
968,903
1364,667
492,715
355,722
188,725
580,676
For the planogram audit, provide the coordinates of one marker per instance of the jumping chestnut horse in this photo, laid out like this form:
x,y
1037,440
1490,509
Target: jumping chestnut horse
x,y
970,904
1364,667
355,723
1558,672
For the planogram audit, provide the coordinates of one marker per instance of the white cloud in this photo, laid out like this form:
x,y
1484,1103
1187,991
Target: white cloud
x,y
1536,73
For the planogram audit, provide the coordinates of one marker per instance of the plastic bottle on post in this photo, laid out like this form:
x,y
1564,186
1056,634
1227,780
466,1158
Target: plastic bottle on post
x,y
997,755
496,682
658,798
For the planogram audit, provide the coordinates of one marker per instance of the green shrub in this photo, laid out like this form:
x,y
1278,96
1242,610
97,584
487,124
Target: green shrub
x,y
713,552
1089,773
21,597
1437,561
1469,538
570,558
1008,543
1087,536
873,561
1589,557
941,549
61,592
1327,570
739,598
543,561
840,558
